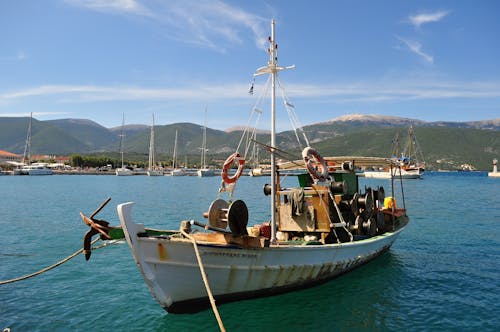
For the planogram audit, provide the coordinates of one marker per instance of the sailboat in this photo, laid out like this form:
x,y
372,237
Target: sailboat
x,y
325,226
153,169
123,171
176,171
204,171
26,167
410,163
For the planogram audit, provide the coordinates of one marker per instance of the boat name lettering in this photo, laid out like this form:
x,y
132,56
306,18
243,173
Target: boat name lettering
x,y
230,254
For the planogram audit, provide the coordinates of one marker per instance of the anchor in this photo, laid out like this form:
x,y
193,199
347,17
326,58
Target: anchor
x,y
97,226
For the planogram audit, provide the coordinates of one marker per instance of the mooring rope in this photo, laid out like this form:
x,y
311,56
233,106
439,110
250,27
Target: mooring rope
x,y
205,281
48,268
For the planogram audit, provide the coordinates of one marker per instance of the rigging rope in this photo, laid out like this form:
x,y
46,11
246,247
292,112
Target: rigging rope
x,y
254,110
48,268
205,281
294,120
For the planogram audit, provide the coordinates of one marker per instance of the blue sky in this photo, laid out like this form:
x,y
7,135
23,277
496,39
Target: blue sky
x,y
97,59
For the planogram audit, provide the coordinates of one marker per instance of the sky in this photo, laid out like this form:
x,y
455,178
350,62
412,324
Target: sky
x,y
101,59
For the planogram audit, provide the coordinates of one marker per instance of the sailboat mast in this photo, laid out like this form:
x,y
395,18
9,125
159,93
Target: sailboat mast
x,y
152,146
204,142
272,67
122,137
175,151
27,146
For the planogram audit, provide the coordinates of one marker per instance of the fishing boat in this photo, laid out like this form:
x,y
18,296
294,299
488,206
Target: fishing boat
x,y
123,171
153,169
204,171
321,228
410,163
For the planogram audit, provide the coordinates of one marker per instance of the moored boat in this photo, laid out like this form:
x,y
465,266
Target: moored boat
x,y
153,169
321,228
123,170
204,170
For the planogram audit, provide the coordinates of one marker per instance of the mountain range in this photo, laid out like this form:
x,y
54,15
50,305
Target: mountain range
x,y
445,145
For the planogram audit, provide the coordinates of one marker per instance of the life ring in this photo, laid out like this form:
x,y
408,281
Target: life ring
x,y
312,157
227,165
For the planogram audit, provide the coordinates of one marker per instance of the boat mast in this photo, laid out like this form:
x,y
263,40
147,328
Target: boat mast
x,y
204,142
272,68
122,137
27,145
152,146
175,151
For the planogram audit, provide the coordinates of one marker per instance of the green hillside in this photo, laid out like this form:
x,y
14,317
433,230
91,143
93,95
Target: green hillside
x,y
444,145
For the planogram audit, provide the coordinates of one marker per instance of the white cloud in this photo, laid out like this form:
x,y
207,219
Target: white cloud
x,y
424,18
132,7
376,91
20,56
211,24
416,48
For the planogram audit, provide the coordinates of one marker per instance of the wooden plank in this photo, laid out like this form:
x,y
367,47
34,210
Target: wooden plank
x,y
244,241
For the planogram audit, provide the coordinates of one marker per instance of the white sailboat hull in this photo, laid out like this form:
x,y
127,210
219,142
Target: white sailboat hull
x,y
123,172
170,269
154,172
178,172
205,172
40,171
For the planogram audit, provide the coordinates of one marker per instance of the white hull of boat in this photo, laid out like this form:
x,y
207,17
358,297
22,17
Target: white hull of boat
x,y
170,269
154,172
205,172
178,172
494,174
33,170
40,171
414,174
255,172
123,172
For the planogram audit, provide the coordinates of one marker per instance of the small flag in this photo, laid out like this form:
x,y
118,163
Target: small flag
x,y
251,87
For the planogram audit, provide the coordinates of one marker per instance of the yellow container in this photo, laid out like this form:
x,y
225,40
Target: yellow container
x,y
389,202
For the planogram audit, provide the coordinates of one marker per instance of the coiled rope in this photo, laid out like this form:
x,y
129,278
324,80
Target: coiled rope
x,y
205,280
48,268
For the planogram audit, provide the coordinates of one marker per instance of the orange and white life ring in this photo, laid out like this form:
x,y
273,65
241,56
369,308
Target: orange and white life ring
x,y
227,165
312,157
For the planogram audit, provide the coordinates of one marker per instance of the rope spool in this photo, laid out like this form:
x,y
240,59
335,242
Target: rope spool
x,y
221,214
238,218
217,213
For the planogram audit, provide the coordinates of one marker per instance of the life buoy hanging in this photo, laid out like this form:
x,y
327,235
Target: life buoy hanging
x,y
312,157
227,166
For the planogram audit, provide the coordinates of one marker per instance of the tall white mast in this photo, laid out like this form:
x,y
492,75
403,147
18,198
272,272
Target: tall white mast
x,y
272,68
204,143
152,146
122,136
27,146
175,151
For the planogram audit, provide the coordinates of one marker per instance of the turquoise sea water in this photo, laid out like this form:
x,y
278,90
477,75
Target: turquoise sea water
x,y
443,273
